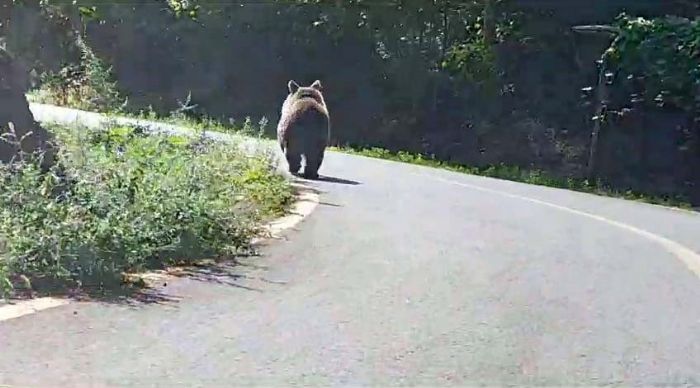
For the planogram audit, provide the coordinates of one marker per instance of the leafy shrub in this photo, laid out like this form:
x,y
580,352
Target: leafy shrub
x,y
121,201
659,56
475,62
88,85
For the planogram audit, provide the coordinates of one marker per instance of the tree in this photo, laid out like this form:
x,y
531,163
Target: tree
x,y
19,129
489,28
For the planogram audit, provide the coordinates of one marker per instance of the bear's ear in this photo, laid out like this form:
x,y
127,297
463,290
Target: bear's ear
x,y
317,85
292,86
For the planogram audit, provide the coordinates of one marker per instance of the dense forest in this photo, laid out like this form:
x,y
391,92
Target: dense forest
x,y
605,90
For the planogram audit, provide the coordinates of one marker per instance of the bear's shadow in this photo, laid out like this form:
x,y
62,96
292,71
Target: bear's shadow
x,y
329,179
341,181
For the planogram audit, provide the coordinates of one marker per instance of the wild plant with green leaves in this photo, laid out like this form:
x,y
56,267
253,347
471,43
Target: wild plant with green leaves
x,y
122,201
657,61
87,85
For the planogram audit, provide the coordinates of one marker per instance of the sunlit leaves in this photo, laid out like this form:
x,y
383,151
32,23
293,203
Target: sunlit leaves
x,y
664,53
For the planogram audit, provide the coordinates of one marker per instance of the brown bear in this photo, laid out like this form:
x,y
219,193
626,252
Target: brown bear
x,y
304,128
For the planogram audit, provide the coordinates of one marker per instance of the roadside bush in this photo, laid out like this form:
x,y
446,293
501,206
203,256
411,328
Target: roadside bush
x,y
87,85
121,201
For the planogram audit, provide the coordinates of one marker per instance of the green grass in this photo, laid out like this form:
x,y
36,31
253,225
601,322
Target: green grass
x,y
122,202
514,173
246,127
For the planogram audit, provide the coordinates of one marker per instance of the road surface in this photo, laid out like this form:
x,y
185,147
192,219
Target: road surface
x,y
404,275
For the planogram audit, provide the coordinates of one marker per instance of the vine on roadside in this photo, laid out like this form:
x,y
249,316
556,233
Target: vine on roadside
x,y
657,61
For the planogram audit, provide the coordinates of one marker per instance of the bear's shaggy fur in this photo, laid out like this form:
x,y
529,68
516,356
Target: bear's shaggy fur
x,y
304,128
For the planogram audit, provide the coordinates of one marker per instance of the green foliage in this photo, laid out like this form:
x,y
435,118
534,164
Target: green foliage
x,y
663,55
89,8
88,85
200,124
248,129
188,8
122,201
474,61
425,74
471,55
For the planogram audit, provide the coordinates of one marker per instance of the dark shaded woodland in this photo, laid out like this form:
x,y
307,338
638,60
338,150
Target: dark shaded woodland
x,y
479,82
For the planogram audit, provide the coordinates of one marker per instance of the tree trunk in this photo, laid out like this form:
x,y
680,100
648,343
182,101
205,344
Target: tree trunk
x,y
489,29
602,97
445,28
15,116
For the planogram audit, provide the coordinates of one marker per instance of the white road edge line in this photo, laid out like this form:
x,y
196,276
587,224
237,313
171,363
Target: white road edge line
x,y
686,255
305,203
19,309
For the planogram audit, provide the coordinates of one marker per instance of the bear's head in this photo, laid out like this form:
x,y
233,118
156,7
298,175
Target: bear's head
x,y
313,92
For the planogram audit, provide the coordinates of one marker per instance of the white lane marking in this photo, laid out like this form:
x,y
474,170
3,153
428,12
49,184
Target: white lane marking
x,y
29,307
689,257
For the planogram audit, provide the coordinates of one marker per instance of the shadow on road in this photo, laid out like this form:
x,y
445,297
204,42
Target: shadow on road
x,y
324,178
135,297
341,181
227,274
153,290
109,291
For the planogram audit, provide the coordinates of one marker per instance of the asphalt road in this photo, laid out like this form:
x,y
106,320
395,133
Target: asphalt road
x,y
404,275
